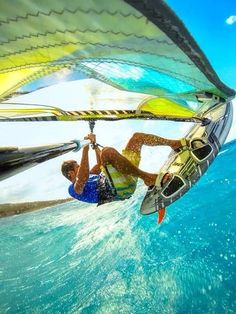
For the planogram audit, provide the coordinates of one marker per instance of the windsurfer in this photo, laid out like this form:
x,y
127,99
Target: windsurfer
x,y
115,175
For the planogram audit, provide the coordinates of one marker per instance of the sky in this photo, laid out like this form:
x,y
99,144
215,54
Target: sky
x,y
212,24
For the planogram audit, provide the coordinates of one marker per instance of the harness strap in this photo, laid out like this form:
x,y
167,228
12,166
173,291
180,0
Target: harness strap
x,y
110,181
105,191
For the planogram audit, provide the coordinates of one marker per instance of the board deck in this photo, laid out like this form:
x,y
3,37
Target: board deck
x,y
190,163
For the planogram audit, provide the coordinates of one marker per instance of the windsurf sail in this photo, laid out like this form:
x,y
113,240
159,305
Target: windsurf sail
x,y
126,59
135,47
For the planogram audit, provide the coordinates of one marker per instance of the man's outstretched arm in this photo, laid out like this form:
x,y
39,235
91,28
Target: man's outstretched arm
x,y
97,168
82,174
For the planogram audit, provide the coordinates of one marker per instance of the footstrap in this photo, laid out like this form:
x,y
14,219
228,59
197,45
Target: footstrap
x,y
183,142
159,179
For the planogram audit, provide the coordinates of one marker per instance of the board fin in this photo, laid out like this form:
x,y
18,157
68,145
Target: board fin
x,y
161,214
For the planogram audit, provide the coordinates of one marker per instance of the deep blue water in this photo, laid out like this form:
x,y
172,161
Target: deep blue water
x,y
76,258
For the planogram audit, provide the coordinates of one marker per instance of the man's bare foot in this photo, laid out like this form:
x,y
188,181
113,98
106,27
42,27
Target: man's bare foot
x,y
150,179
167,177
177,145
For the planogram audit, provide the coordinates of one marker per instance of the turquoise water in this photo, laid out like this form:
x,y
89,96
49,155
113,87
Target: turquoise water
x,y
75,258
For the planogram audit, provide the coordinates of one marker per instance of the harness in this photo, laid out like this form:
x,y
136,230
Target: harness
x,y
105,191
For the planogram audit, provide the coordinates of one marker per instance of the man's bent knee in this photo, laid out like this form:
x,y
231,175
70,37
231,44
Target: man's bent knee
x,y
135,143
108,150
108,154
137,136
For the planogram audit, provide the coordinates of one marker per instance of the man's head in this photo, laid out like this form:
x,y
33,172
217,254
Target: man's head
x,y
69,169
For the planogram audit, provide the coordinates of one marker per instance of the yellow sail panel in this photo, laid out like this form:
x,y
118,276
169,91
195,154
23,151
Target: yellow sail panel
x,y
12,80
165,107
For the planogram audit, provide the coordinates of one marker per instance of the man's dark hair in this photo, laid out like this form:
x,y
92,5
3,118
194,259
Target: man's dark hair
x,y
67,166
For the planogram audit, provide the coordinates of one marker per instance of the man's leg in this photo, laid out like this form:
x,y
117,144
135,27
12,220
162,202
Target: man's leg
x,y
139,139
111,156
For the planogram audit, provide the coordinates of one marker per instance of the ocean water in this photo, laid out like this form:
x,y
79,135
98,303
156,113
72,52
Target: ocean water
x,y
75,258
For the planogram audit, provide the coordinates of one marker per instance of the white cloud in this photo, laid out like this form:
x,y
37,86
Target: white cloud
x,y
231,19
